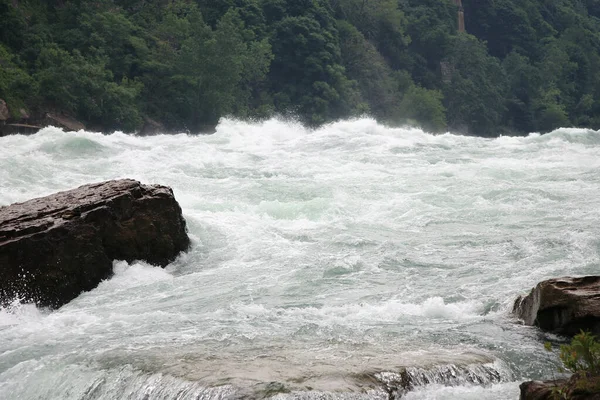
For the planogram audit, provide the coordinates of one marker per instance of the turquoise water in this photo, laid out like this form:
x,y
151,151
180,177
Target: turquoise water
x,y
324,263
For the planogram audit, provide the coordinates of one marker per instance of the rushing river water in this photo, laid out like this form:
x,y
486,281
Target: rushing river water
x,y
345,262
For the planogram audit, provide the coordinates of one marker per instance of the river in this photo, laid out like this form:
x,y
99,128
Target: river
x,y
324,263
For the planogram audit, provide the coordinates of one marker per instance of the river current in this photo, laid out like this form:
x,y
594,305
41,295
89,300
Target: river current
x,y
354,261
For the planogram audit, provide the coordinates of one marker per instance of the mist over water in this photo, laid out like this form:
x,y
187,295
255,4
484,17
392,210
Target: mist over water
x,y
324,263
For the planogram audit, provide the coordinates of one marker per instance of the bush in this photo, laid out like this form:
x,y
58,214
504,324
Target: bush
x,y
582,355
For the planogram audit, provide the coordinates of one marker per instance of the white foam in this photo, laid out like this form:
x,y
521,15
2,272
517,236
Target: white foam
x,y
18,313
136,274
500,391
350,238
388,311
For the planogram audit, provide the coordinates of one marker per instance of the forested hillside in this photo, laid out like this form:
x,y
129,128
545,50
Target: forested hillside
x,y
522,65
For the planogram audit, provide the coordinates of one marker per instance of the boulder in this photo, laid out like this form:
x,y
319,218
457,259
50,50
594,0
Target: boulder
x,y
540,390
4,113
63,121
562,305
577,387
53,248
151,127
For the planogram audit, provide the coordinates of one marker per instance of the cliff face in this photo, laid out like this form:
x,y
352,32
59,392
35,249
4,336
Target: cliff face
x,y
55,247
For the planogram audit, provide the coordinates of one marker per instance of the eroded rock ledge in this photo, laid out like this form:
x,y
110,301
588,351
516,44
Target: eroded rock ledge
x,y
53,248
562,305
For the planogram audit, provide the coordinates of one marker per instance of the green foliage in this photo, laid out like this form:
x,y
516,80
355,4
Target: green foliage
x,y
307,48
205,73
369,69
431,25
523,66
381,22
425,107
582,355
85,87
15,84
475,95
582,358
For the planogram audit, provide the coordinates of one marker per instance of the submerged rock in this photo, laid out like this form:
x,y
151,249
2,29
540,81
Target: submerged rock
x,y
562,305
53,248
397,384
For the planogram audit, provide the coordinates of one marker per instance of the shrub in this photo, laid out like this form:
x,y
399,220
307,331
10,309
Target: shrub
x,y
582,355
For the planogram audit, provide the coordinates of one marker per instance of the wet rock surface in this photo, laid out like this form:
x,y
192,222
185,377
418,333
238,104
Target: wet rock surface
x,y
540,390
562,305
53,248
578,387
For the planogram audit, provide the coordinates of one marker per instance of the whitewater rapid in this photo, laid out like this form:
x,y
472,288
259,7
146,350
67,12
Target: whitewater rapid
x,y
325,263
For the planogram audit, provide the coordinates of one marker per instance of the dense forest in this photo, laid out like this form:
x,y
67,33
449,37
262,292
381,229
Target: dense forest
x,y
521,66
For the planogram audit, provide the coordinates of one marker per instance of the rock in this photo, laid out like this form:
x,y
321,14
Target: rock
x,y
540,390
4,113
24,114
21,129
577,387
63,121
53,248
207,129
563,305
151,127
582,387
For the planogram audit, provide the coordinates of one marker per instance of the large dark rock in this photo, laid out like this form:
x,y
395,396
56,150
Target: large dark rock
x,y
562,305
53,248
577,387
541,390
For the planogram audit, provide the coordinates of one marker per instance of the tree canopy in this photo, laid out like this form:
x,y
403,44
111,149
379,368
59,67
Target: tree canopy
x,y
522,66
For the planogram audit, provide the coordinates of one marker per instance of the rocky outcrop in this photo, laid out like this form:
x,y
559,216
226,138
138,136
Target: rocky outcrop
x,y
577,387
63,121
563,305
151,127
28,123
55,247
4,113
540,390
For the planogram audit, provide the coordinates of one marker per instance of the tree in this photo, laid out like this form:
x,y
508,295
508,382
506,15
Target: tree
x,y
85,88
374,77
15,84
306,73
475,93
425,108
523,88
381,22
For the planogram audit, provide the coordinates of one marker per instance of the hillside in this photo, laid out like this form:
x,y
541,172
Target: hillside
x,y
521,66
